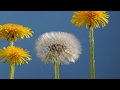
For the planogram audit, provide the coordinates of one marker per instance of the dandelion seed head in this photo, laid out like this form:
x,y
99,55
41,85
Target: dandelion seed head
x,y
61,47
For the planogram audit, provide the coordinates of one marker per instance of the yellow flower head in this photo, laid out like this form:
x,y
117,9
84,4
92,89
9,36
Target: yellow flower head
x,y
12,31
15,55
90,18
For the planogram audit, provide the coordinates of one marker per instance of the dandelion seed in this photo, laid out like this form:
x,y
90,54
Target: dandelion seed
x,y
60,47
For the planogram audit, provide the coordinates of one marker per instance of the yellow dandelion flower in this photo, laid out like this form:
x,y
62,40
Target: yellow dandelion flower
x,y
15,55
13,31
90,18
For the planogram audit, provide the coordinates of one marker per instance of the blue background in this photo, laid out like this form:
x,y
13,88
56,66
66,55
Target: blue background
x,y
107,46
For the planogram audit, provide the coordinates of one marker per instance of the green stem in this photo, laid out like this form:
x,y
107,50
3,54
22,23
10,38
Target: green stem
x,y
11,43
12,69
12,66
92,54
56,69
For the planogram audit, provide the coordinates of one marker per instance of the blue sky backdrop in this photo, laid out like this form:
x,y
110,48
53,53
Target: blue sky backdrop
x,y
107,46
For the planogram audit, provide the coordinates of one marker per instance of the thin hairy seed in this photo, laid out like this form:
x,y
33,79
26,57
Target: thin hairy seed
x,y
61,47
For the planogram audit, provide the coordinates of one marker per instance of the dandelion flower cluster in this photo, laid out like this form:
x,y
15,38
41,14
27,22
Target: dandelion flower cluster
x,y
12,31
60,47
90,18
15,55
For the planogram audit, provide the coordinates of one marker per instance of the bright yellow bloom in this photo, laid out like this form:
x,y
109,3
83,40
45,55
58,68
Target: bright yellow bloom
x,y
90,18
12,31
15,55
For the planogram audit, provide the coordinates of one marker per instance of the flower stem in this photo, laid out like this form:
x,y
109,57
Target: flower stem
x,y
12,66
92,53
11,43
56,68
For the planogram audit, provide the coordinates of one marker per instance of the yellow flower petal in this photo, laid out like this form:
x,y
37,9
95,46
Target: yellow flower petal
x,y
14,31
14,55
90,18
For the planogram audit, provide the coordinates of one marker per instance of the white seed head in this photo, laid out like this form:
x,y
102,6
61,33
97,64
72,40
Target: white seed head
x,y
61,47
